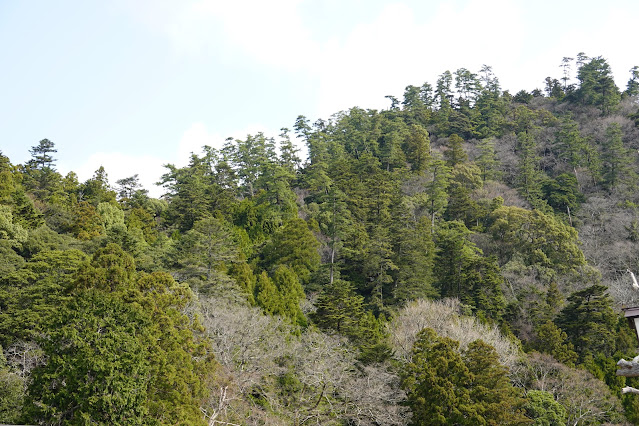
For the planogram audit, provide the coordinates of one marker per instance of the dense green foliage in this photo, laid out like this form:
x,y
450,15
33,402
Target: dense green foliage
x,y
445,387
263,289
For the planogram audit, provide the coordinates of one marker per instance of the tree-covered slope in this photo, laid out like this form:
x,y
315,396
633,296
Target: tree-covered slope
x,y
457,258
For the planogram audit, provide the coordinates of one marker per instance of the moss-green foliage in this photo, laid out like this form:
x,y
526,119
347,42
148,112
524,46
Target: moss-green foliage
x,y
590,321
31,296
445,387
463,272
11,392
539,238
120,343
436,381
553,341
542,407
295,246
98,365
496,400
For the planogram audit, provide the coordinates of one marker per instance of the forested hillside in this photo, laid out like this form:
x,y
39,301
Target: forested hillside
x,y
458,258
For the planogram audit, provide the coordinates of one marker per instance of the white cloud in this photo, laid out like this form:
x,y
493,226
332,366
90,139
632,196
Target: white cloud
x,y
151,168
198,136
378,57
271,32
610,37
399,46
120,166
192,141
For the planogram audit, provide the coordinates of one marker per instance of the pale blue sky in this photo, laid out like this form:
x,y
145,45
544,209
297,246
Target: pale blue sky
x,y
135,84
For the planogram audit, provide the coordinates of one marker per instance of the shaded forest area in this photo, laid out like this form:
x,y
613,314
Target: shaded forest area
x,y
458,258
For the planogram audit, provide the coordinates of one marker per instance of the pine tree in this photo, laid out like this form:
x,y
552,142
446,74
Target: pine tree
x,y
339,308
40,175
487,160
597,86
616,159
267,295
494,397
529,176
589,321
98,365
437,383
41,154
291,293
455,153
295,246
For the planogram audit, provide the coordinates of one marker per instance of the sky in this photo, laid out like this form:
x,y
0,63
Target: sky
x,y
133,85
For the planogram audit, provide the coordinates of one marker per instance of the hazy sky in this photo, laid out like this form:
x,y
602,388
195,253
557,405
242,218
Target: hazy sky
x,y
134,84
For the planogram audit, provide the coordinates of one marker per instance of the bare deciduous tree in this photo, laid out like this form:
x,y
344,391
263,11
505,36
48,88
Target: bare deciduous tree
x,y
444,317
586,399
273,373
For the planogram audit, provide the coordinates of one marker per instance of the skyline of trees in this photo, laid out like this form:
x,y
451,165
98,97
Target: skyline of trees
x,y
347,288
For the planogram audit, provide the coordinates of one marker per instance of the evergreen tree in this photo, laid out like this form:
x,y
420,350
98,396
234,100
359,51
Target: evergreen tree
x,y
455,153
538,238
41,154
454,251
553,341
291,293
461,271
415,260
436,382
417,148
394,133
197,190
438,174
495,399
339,308
11,392
597,86
295,246
632,89
589,321
288,152
490,105
335,222
571,147
267,295
416,105
464,180
206,249
40,175
616,159
130,191
31,296
529,177
544,410
97,189
97,369
487,160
